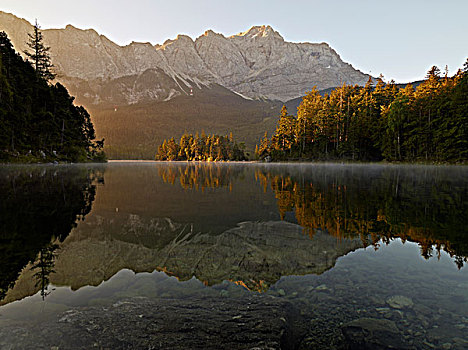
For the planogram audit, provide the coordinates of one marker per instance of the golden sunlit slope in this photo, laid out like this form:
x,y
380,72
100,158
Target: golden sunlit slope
x,y
135,131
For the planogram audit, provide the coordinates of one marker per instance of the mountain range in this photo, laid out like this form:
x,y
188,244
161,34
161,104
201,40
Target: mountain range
x,y
141,93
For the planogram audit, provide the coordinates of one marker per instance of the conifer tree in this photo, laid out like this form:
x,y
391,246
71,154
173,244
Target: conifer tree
x,y
38,121
284,136
202,148
377,122
38,54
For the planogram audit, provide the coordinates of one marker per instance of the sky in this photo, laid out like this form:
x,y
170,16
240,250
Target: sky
x,y
400,39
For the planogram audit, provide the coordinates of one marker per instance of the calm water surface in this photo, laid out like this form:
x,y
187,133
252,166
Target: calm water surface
x,y
266,256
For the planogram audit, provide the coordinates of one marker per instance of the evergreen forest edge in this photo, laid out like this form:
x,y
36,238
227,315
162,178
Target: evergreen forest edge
x,y
38,120
376,122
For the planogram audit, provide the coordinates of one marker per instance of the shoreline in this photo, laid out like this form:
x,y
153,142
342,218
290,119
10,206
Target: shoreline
x,y
291,162
321,162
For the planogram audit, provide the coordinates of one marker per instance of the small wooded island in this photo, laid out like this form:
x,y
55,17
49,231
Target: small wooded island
x,y
38,120
203,148
375,122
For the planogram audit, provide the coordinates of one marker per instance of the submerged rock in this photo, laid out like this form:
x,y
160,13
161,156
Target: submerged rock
x,y
144,323
373,333
400,302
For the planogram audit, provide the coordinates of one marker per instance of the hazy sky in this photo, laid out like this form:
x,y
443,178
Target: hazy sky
x,y
400,38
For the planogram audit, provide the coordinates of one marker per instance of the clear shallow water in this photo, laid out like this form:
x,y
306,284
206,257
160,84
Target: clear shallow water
x,y
291,256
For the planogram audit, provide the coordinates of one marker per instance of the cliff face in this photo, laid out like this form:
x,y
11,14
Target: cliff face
x,y
272,67
257,63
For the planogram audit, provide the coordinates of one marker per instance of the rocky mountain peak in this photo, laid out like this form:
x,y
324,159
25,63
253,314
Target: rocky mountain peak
x,y
257,63
210,33
89,31
183,37
180,40
138,43
256,32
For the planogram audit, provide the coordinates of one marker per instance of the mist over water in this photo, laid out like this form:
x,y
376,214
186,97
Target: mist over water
x,y
288,255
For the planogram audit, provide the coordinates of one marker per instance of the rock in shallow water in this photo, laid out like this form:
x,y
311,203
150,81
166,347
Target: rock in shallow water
x,y
143,323
400,302
373,333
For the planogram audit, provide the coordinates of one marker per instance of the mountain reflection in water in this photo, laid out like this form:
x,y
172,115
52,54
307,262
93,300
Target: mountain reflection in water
x,y
374,203
239,229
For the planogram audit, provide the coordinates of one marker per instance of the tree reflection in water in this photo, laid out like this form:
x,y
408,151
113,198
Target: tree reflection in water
x,y
200,175
40,206
428,209
422,204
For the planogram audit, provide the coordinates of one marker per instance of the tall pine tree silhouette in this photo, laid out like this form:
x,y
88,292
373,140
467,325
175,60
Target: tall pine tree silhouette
x,y
39,54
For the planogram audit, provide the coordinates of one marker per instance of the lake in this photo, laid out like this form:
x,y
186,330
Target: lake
x,y
155,255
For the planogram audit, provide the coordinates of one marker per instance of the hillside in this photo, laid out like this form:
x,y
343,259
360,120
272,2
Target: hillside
x,y
135,131
141,93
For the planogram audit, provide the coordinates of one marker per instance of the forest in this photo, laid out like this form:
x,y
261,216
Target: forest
x,y
38,120
202,147
376,122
